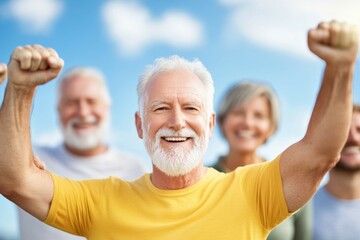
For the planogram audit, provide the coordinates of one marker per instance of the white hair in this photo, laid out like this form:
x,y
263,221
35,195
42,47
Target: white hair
x,y
176,63
90,72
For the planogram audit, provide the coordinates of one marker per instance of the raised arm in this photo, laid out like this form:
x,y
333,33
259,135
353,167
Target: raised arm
x,y
304,164
20,180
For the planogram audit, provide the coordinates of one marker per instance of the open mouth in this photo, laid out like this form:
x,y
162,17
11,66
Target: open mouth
x,y
351,149
83,125
246,134
175,139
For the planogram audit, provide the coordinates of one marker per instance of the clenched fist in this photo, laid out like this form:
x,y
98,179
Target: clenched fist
x,y
31,66
334,42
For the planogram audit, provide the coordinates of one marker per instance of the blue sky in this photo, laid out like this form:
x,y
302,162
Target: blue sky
x,y
263,40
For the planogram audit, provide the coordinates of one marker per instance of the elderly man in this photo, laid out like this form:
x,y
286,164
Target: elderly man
x,y
180,198
84,114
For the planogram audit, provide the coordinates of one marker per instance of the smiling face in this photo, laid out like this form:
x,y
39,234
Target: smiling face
x,y
176,125
83,113
350,155
247,127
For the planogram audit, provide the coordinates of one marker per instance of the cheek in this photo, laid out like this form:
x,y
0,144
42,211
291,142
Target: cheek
x,y
231,120
228,125
101,113
66,115
152,122
226,130
149,129
265,129
199,122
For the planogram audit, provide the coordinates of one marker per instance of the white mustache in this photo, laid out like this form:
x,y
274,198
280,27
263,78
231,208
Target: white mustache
x,y
167,132
87,120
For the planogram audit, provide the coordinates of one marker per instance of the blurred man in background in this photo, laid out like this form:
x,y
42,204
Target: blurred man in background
x,y
84,114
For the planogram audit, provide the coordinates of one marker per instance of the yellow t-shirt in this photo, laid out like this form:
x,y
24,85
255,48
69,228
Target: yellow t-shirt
x,y
244,204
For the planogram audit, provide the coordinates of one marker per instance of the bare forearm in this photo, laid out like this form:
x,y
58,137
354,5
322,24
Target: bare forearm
x,y
17,170
329,123
304,164
16,155
20,181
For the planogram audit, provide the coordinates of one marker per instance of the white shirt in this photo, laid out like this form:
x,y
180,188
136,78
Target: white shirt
x,y
335,218
59,161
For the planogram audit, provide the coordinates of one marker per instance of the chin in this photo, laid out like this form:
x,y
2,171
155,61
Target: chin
x,y
176,167
347,166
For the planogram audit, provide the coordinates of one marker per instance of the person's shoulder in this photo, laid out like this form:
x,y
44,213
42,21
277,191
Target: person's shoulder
x,y
131,159
219,165
123,154
49,150
265,164
263,171
117,183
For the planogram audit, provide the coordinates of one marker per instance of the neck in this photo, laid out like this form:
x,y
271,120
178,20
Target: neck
x,y
344,185
162,181
88,152
236,159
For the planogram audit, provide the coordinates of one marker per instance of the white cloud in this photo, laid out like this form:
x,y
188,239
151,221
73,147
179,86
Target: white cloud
x,y
35,16
283,24
133,28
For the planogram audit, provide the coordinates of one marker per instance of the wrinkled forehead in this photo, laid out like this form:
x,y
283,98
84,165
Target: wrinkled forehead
x,y
81,86
180,83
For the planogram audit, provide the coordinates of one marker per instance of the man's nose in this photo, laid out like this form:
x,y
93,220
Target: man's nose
x,y
354,135
83,109
177,120
247,119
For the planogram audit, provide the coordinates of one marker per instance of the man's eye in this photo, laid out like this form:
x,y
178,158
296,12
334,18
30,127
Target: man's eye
x,y
192,109
161,109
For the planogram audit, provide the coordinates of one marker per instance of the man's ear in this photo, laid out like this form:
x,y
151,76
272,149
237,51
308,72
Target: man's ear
x,y
138,125
212,122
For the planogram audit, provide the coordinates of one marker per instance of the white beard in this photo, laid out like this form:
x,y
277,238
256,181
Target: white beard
x,y
176,161
85,139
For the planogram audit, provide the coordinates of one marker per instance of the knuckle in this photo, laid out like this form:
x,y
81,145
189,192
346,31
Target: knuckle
x,y
18,48
28,47
335,28
25,54
36,56
38,46
52,52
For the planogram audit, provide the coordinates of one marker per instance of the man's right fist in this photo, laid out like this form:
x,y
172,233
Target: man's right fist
x,y
334,42
31,66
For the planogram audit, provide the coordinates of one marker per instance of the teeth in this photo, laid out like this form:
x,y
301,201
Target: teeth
x,y
245,134
352,149
175,139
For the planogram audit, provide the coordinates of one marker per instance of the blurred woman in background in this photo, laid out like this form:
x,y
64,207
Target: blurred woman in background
x,y
248,116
